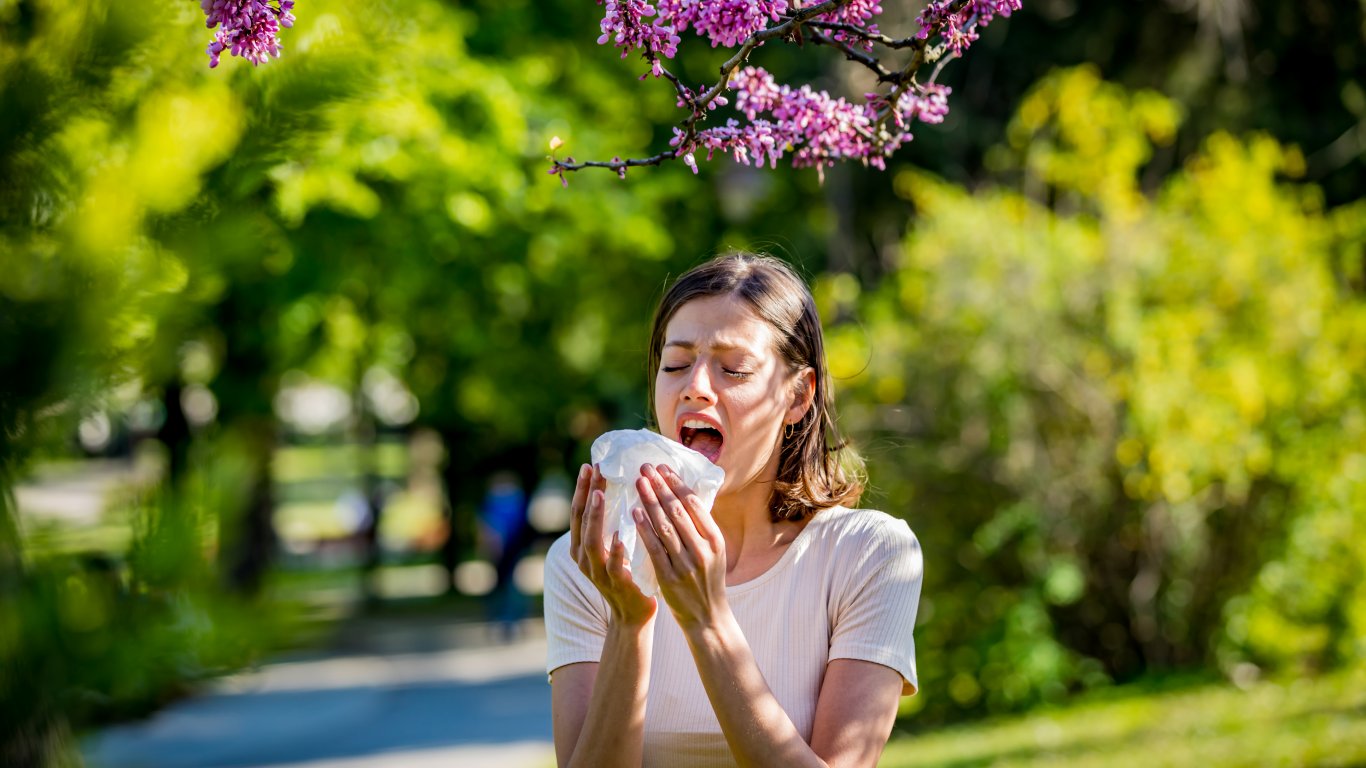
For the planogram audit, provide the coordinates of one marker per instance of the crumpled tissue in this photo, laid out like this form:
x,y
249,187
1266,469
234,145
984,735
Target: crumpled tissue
x,y
619,455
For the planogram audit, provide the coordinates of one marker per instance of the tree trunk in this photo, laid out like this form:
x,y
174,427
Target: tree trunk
x,y
175,435
254,549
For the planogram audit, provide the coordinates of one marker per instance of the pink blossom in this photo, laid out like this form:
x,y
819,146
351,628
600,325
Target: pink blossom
x,y
246,28
957,24
724,22
624,24
857,12
816,128
926,103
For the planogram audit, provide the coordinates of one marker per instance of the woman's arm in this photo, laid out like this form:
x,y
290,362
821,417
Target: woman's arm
x,y
858,699
854,714
599,709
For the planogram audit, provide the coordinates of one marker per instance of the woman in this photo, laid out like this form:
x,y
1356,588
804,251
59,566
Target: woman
x,y
786,634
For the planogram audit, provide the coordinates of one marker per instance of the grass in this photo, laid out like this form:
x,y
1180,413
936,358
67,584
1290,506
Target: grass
x,y
1311,721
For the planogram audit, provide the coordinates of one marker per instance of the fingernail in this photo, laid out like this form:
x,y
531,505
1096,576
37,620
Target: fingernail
x,y
638,514
585,470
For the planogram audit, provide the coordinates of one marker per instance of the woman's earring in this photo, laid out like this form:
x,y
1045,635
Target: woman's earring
x,y
788,429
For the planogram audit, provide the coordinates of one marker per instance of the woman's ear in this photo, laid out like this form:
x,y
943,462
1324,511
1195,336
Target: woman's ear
x,y
803,395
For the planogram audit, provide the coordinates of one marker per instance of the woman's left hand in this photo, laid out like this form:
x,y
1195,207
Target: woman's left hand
x,y
684,543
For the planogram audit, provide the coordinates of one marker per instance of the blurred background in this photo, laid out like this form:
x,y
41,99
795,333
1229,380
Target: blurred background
x,y
297,362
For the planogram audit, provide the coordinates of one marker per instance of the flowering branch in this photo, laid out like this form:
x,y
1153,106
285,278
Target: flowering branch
x,y
816,128
246,28
884,75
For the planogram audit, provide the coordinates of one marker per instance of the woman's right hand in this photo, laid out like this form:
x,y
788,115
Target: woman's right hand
x,y
608,570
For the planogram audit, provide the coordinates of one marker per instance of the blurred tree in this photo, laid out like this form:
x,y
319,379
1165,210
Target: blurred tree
x,y
1287,68
375,204
1116,407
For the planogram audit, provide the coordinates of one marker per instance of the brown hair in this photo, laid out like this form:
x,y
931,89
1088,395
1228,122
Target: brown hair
x,y
816,468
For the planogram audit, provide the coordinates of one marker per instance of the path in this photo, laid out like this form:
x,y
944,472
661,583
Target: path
x,y
392,694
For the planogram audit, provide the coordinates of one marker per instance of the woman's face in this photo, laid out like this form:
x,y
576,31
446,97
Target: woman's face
x,y
721,388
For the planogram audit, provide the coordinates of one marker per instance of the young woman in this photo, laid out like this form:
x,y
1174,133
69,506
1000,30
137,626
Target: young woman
x,y
785,634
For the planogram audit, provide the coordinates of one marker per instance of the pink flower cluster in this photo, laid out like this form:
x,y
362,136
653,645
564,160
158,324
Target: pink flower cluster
x,y
724,22
957,24
986,10
629,25
858,13
246,28
624,23
817,128
926,103
814,128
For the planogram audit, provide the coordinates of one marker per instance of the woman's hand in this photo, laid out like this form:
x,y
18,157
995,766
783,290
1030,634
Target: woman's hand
x,y
685,546
608,571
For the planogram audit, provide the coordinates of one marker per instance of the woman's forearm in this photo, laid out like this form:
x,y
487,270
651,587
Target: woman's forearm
x,y
614,731
757,728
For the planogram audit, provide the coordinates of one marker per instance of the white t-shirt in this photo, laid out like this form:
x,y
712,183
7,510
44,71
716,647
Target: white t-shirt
x,y
846,588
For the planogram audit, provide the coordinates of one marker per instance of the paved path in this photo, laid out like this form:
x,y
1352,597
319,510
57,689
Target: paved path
x,y
402,695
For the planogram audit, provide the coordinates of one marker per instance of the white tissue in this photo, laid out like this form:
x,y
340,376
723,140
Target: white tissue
x,y
619,455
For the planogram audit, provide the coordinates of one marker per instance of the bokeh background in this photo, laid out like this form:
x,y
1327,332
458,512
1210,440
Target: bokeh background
x,y
288,348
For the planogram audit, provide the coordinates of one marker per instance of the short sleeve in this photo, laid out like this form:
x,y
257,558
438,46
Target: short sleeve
x,y
575,612
877,597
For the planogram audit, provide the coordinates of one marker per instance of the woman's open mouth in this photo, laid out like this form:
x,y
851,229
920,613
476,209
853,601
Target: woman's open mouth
x,y
701,436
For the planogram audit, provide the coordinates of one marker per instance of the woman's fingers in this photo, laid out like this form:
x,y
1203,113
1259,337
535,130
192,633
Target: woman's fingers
x,y
650,539
692,505
682,505
668,512
618,561
576,507
664,528
593,561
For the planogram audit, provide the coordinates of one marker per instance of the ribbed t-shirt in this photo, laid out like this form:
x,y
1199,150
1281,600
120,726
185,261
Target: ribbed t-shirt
x,y
846,588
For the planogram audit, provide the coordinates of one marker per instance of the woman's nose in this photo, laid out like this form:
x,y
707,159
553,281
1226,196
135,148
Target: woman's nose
x,y
698,384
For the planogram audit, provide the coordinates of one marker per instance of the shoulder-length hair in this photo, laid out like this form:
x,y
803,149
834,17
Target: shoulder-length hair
x,y
817,469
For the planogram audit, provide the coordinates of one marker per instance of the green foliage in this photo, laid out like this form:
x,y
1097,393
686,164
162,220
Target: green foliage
x,y
89,639
1311,721
1117,416
1120,398
374,200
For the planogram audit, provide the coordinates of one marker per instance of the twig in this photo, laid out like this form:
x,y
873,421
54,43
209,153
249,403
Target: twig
x,y
700,104
792,26
863,34
884,75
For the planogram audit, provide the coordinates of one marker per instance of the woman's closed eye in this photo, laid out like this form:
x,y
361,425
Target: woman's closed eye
x,y
731,372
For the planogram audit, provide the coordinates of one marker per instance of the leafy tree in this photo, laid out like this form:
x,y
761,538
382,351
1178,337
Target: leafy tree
x,y
1114,421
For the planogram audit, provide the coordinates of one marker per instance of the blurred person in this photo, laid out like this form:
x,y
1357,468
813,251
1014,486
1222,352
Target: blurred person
x,y
787,634
505,534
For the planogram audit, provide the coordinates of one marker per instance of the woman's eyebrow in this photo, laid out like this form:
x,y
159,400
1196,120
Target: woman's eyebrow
x,y
718,346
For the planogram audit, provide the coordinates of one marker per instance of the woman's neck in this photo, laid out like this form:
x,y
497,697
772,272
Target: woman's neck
x,y
752,538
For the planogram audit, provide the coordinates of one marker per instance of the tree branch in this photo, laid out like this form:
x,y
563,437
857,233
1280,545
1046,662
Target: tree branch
x,y
851,53
863,34
700,104
880,140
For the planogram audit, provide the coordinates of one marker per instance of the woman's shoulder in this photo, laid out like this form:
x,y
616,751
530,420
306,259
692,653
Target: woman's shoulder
x,y
862,547
851,532
858,523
